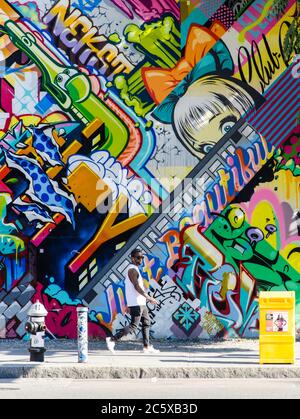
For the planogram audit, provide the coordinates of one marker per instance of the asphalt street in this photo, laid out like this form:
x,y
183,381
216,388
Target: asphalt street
x,y
150,389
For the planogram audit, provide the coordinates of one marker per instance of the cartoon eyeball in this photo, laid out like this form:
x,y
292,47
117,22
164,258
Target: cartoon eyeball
x,y
226,127
62,78
204,148
28,40
236,217
254,234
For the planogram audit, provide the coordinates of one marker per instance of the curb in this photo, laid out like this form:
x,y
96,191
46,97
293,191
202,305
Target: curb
x,y
90,372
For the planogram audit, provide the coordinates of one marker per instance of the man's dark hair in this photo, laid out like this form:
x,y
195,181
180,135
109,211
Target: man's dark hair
x,y
135,252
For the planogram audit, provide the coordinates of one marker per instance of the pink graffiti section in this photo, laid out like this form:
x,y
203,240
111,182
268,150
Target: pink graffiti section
x,y
151,9
62,318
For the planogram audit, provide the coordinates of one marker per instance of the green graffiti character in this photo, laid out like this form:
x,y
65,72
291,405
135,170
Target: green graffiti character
x,y
241,243
159,41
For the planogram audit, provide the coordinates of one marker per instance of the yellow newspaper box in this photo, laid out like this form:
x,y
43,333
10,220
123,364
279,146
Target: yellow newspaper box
x,y
277,327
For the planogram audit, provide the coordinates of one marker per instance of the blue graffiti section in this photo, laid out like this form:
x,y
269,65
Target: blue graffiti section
x,y
86,5
46,147
12,249
41,189
55,291
186,317
33,211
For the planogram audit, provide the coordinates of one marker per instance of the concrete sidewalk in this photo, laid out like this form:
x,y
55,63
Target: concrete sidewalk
x,y
180,359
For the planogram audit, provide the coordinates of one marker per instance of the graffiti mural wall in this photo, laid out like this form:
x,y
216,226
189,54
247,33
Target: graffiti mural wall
x,y
158,124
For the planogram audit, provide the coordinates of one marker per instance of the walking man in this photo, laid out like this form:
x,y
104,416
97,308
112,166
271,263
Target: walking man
x,y
136,297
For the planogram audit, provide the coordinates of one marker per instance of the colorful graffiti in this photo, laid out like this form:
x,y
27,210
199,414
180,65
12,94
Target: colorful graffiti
x,y
145,123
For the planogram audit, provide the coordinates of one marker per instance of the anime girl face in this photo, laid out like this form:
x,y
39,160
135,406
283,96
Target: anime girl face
x,y
199,97
207,111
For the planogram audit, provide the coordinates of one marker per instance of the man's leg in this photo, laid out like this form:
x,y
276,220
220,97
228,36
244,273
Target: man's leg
x,y
145,326
136,314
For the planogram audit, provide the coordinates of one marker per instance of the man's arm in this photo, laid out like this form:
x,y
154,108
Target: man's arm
x,y
133,276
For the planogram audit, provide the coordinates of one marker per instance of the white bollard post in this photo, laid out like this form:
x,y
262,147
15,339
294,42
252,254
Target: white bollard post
x,y
82,333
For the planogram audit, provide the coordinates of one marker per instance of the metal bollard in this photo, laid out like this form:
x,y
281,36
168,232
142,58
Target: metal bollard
x,y
82,333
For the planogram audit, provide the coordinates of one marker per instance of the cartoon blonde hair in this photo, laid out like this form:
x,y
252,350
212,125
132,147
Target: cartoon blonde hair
x,y
207,97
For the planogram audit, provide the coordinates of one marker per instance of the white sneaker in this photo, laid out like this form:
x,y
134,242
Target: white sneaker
x,y
151,350
110,345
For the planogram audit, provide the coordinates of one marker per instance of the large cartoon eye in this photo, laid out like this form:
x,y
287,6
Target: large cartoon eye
x,y
254,234
203,148
271,229
207,148
226,127
227,123
236,217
